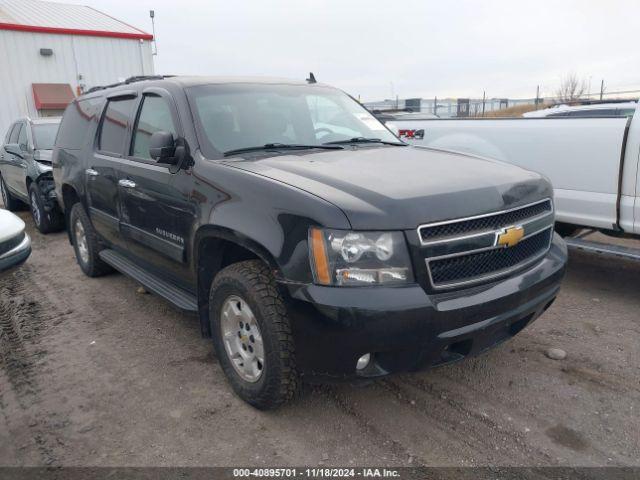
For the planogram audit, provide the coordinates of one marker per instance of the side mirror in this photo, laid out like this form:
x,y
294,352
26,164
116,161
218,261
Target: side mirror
x,y
14,149
162,148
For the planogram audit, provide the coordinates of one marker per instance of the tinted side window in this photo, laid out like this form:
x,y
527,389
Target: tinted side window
x,y
155,116
22,137
626,112
7,137
76,122
114,126
600,112
15,132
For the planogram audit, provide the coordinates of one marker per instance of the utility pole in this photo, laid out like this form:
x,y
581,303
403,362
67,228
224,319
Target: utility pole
x,y
484,96
435,105
601,89
537,95
152,14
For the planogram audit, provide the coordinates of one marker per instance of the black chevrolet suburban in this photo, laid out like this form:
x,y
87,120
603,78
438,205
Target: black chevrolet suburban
x,y
311,243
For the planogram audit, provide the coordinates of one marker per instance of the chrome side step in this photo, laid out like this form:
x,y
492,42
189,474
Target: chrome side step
x,y
174,295
603,248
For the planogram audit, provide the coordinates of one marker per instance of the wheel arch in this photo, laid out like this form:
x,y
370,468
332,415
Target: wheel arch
x,y
69,198
215,248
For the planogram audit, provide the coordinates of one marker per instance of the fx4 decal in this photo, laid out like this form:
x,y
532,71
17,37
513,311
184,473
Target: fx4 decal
x,y
411,134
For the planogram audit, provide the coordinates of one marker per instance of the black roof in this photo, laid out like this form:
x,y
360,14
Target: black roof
x,y
189,81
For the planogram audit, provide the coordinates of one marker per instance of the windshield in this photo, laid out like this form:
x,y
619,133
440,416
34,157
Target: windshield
x,y
231,117
44,135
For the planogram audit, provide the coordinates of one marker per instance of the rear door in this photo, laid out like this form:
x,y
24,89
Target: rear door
x,y
103,168
156,217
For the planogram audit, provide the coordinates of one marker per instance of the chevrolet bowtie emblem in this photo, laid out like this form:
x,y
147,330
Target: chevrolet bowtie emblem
x,y
510,237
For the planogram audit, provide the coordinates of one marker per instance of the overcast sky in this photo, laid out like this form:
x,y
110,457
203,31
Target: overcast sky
x,y
379,49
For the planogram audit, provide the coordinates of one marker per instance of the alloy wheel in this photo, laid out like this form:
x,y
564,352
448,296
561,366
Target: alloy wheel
x,y
5,199
242,338
81,242
35,211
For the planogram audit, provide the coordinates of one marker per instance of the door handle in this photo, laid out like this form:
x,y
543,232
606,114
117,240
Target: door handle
x,y
127,183
91,172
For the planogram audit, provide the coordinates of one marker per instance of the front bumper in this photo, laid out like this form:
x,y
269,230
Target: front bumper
x,y
405,328
16,255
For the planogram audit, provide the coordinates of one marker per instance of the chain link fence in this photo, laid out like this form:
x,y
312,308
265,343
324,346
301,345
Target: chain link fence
x,y
478,107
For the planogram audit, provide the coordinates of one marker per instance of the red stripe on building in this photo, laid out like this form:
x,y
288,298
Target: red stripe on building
x,y
74,31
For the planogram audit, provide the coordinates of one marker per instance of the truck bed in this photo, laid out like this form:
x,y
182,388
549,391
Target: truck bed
x,y
581,156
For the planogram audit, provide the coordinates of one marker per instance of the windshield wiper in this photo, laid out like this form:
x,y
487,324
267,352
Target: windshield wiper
x,y
281,146
364,140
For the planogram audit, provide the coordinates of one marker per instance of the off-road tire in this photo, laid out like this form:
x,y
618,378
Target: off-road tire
x,y
10,202
94,266
253,281
51,221
565,229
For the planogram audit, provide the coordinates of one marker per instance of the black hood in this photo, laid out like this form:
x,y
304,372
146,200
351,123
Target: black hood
x,y
402,187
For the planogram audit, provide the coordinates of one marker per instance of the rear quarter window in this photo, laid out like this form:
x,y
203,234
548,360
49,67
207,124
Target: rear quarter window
x,y
77,120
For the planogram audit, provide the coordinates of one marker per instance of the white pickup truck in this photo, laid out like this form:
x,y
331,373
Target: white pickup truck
x,y
593,163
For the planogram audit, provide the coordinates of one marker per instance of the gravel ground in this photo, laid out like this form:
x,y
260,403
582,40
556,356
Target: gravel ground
x,y
94,373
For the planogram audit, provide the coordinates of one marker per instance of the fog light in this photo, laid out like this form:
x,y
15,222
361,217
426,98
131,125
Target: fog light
x,y
363,361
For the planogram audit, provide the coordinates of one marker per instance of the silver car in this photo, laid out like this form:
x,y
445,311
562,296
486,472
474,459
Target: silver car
x,y
25,171
15,244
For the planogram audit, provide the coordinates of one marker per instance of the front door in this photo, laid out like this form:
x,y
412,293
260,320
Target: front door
x,y
636,210
6,158
156,216
103,170
14,167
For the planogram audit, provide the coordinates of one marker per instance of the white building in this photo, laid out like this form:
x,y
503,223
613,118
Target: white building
x,y
50,52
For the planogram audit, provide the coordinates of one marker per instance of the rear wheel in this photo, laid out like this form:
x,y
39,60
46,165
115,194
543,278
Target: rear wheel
x,y
85,243
10,202
46,222
252,335
565,229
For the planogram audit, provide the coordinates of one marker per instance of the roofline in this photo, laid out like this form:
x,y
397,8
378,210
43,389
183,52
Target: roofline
x,y
74,31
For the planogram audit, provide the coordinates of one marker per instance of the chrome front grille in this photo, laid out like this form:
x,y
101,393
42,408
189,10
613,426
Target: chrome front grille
x,y
467,251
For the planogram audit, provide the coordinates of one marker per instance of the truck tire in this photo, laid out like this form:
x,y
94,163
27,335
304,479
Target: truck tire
x,y
46,222
10,203
565,229
252,335
85,243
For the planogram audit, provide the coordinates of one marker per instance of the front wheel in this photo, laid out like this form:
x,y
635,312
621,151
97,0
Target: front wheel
x,y
45,221
252,335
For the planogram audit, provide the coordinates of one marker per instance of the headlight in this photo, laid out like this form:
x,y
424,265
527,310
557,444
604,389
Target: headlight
x,y
347,258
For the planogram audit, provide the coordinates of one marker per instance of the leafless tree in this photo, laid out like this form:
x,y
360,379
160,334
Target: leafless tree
x,y
571,89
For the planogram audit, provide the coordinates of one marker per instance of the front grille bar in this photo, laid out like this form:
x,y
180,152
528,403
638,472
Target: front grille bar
x,y
483,276
465,251
448,230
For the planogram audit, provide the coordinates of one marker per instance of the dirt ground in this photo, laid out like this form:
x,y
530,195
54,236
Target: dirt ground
x,y
93,373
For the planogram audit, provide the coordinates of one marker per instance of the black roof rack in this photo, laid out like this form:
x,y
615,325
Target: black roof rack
x,y
137,78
